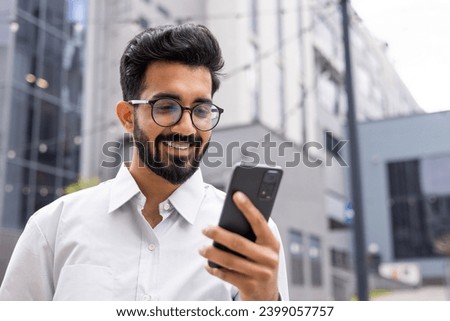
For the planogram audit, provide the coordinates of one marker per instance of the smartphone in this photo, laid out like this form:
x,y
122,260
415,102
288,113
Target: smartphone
x,y
260,183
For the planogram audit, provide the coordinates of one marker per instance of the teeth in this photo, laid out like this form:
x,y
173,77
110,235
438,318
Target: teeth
x,y
178,145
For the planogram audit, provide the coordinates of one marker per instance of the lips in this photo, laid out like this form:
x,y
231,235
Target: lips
x,y
178,142
178,145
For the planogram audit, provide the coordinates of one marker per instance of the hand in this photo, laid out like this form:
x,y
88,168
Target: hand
x,y
256,275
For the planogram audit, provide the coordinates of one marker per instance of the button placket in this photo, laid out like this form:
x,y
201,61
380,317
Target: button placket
x,y
149,265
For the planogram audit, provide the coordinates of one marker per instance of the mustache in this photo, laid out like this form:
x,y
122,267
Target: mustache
x,y
176,137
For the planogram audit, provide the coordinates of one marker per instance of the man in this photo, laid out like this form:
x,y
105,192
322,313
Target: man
x,y
147,234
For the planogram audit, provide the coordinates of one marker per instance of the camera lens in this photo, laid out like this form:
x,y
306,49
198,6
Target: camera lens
x,y
270,177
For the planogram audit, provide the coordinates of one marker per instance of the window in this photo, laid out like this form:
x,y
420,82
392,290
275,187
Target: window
x,y
49,134
363,82
329,82
420,212
325,35
296,251
52,64
340,259
407,211
29,6
315,258
328,93
55,13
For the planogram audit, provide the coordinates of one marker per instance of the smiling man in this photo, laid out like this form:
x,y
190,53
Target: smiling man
x,y
147,234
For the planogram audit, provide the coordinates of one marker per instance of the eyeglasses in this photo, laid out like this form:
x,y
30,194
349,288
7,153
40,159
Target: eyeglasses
x,y
167,112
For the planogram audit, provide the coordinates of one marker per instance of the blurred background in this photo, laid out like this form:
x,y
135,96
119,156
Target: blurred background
x,y
284,75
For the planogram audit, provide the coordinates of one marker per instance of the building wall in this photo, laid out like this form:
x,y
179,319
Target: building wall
x,y
398,139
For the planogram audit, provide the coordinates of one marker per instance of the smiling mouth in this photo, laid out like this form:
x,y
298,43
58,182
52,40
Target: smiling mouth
x,y
178,145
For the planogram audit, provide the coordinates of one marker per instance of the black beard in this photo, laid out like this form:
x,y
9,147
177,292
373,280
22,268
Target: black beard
x,y
176,169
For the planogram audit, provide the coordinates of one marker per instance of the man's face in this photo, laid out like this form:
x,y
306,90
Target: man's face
x,y
173,153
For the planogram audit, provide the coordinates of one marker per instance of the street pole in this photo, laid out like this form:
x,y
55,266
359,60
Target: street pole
x,y
358,222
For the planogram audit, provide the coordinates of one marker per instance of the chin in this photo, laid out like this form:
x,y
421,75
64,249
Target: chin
x,y
173,173
174,168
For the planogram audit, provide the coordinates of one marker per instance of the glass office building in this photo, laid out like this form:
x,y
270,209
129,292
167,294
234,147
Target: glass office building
x,y
42,50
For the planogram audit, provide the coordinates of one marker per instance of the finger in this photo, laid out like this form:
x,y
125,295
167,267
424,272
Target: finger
x,y
230,261
241,245
254,217
245,284
229,276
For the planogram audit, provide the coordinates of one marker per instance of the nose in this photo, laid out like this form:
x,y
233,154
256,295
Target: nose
x,y
184,125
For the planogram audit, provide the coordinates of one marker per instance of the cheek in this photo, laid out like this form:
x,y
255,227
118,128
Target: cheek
x,y
145,122
206,136
205,140
150,130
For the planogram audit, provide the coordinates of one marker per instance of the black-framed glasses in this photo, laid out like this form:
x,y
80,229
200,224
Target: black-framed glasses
x,y
167,112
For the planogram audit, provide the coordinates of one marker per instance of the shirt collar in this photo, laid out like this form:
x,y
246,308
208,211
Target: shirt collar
x,y
189,196
123,188
186,199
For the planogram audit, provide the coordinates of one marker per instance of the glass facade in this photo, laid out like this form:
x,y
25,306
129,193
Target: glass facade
x,y
45,113
419,191
407,211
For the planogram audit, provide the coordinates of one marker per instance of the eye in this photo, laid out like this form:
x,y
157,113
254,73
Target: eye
x,y
165,106
202,111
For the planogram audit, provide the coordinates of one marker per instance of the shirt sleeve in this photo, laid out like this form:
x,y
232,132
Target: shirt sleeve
x,y
29,274
282,272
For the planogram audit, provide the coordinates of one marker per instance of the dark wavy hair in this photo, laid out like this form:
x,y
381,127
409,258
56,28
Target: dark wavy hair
x,y
189,44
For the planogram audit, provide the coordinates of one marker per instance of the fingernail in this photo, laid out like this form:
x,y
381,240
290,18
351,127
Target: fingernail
x,y
210,269
202,250
239,196
206,230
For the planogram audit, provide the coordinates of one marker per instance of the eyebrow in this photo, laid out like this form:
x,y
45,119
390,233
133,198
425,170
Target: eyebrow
x,y
178,97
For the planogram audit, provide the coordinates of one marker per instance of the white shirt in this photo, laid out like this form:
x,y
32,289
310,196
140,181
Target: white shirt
x,y
96,245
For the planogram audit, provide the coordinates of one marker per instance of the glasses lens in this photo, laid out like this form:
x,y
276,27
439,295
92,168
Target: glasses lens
x,y
205,116
166,112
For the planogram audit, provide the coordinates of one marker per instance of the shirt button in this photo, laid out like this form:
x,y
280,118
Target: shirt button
x,y
152,247
146,297
166,206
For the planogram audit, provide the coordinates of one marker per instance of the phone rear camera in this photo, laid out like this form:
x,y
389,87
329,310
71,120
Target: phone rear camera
x,y
270,176
268,185
266,191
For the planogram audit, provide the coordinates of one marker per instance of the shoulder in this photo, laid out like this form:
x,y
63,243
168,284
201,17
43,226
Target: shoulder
x,y
99,194
214,193
48,217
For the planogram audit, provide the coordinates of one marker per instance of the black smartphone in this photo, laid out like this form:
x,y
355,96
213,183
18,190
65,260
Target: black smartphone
x,y
260,183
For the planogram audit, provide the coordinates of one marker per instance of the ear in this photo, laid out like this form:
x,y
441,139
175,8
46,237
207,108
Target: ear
x,y
124,112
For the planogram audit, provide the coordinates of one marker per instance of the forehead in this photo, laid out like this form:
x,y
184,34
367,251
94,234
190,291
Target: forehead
x,y
178,79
